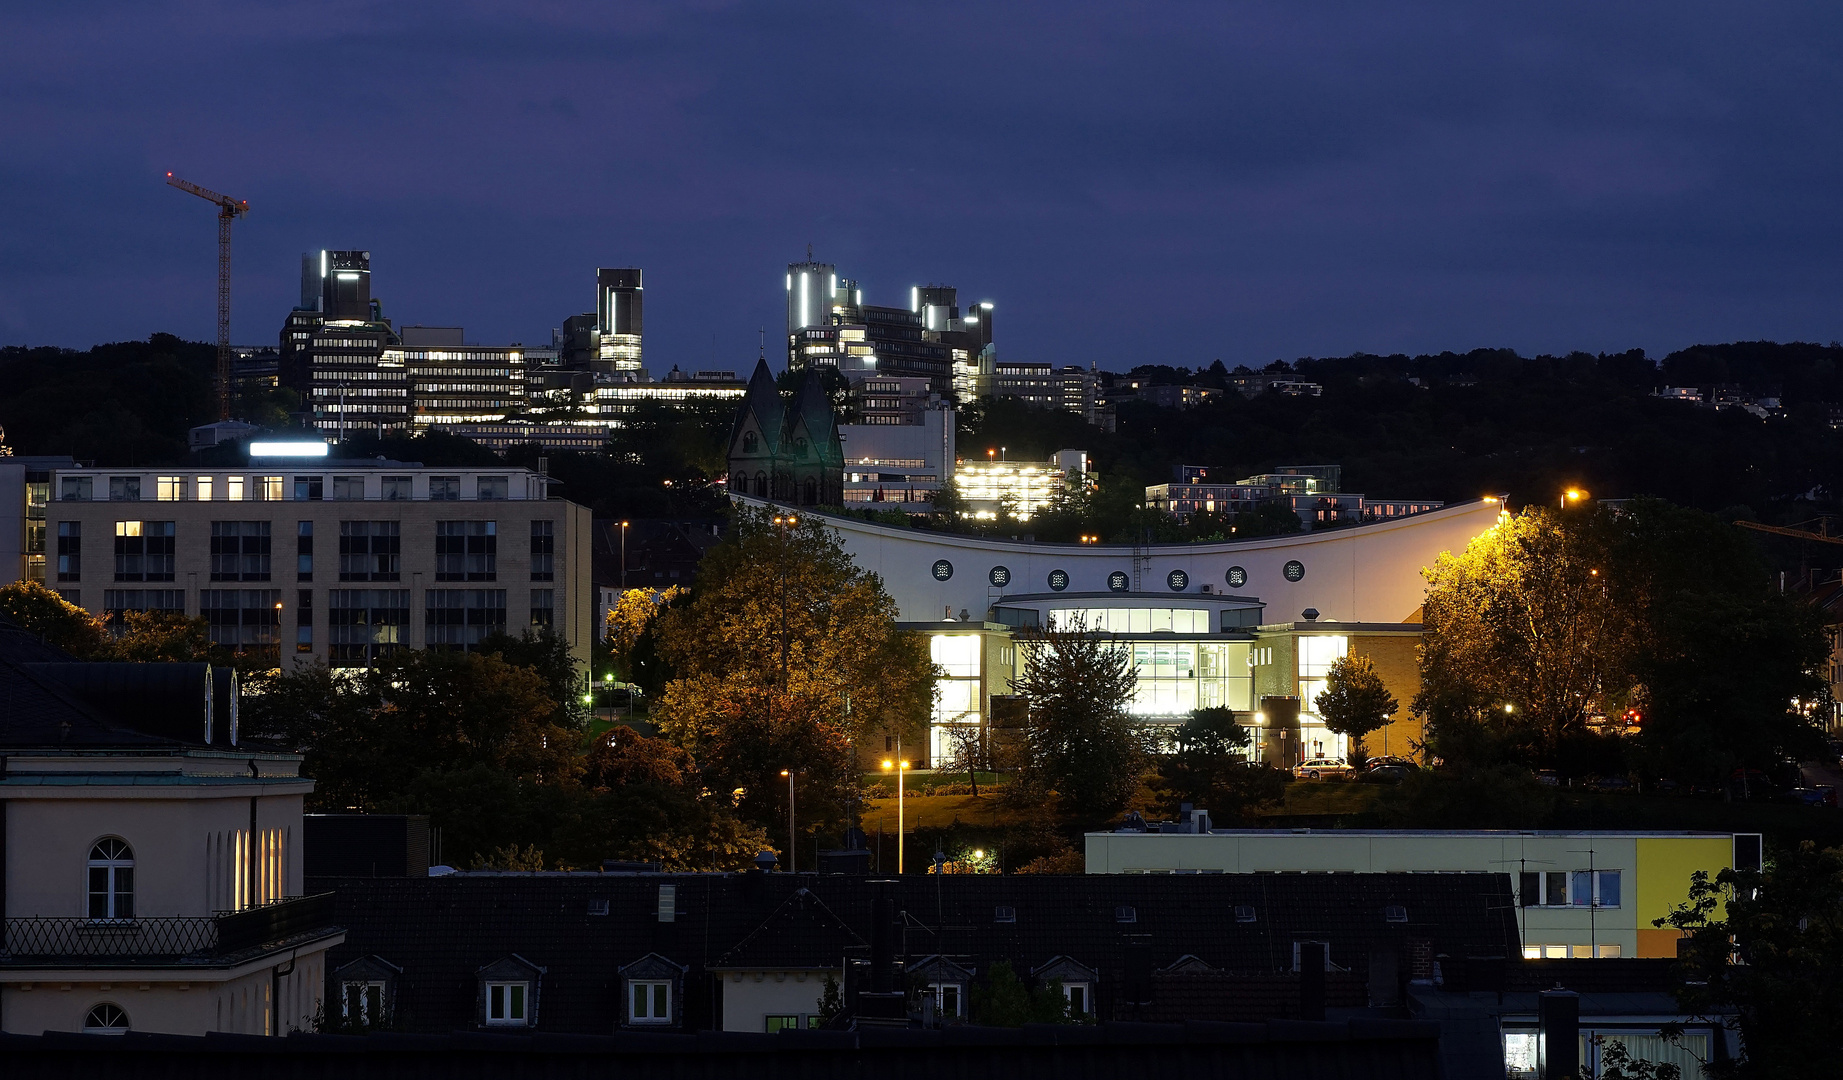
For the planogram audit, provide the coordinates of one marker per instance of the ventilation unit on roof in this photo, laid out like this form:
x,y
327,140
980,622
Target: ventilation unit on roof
x,y
1125,913
1003,914
1244,913
1395,913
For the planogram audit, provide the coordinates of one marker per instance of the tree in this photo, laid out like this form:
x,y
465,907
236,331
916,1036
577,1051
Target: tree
x,y
1355,702
1468,797
1079,739
1760,953
1208,768
366,734
966,749
630,620
164,635
1550,620
788,656
1001,999
1520,635
62,624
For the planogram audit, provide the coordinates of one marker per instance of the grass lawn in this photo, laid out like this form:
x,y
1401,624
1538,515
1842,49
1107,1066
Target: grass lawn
x,y
930,811
1328,797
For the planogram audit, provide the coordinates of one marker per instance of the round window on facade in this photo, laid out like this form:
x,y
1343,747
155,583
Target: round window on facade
x,y
1236,577
1177,580
1118,581
999,576
1058,580
1294,571
942,570
106,1018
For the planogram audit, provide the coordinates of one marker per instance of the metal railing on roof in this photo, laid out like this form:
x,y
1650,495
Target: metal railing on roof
x,y
38,940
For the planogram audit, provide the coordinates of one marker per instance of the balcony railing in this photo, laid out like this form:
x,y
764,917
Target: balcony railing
x,y
36,941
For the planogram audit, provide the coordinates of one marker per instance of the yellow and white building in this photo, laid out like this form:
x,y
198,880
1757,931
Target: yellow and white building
x,y
1579,895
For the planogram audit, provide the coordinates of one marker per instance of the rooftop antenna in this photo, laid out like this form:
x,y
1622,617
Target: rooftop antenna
x,y
809,252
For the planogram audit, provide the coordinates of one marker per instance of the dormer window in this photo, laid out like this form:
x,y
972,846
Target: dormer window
x,y
948,998
507,1004
509,992
650,1001
651,991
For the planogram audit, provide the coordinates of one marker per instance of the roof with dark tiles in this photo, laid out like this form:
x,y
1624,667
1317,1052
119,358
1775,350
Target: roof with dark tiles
x,y
36,713
441,930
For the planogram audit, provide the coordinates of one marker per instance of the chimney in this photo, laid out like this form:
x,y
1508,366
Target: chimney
x,y
1311,980
883,1003
1558,1047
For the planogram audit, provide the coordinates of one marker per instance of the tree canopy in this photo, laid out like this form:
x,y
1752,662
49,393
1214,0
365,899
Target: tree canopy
x,y
1355,702
788,657
1551,620
1079,740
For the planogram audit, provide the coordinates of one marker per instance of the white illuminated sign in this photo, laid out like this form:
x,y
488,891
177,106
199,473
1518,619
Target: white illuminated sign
x,y
287,449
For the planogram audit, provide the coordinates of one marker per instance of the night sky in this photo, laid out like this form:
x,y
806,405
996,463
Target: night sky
x,y
1128,183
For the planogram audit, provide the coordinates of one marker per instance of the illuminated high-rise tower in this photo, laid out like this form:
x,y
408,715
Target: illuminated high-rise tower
x,y
618,309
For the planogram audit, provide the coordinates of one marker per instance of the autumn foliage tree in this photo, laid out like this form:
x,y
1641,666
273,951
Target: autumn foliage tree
x,y
1550,620
788,657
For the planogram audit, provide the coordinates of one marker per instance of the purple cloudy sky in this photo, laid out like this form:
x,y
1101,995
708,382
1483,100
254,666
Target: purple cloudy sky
x,y
1130,183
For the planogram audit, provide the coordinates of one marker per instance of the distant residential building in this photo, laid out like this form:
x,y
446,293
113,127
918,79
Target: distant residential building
x,y
1255,384
1311,491
1174,397
335,561
1017,489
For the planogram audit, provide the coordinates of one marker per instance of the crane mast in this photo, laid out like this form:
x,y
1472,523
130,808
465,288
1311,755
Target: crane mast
x,y
229,210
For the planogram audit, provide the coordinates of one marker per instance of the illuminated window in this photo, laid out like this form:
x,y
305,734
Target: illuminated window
x,y
170,488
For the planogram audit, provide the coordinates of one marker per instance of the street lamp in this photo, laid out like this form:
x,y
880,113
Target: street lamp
x,y
1572,495
792,847
623,556
899,766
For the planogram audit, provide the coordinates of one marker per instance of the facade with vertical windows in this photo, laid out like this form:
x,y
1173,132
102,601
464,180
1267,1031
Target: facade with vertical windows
x,y
343,561
1578,895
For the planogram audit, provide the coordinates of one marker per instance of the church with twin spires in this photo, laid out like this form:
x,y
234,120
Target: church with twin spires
x,y
787,449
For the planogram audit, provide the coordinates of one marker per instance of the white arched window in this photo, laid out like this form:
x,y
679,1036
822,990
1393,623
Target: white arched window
x,y
111,880
106,1018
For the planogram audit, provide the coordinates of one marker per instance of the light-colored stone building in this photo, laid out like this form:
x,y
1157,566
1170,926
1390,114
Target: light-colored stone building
x,y
331,560
151,865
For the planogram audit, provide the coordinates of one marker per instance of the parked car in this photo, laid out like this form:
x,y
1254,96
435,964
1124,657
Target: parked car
x,y
1319,768
1390,773
1379,762
1812,796
1548,778
1609,783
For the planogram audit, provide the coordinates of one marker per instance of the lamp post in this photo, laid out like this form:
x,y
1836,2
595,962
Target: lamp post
x,y
792,847
899,766
623,556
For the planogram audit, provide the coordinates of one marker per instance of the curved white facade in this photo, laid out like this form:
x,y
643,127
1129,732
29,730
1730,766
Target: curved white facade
x,y
1368,573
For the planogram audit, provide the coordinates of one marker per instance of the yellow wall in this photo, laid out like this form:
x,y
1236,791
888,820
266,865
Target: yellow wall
x,y
1665,864
1397,660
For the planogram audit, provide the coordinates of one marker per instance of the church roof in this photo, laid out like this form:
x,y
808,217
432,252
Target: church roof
x,y
763,402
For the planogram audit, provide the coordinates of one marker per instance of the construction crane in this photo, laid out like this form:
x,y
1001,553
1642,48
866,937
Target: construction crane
x,y
229,210
1822,535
